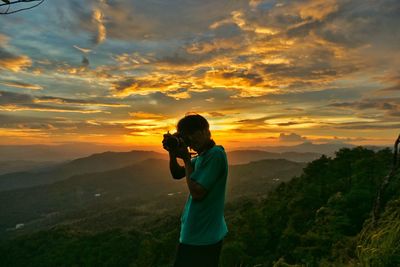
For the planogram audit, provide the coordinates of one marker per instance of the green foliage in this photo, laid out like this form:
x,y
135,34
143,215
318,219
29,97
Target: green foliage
x,y
380,245
233,254
313,220
63,248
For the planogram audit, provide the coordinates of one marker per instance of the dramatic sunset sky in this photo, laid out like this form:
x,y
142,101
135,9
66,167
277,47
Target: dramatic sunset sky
x,y
263,72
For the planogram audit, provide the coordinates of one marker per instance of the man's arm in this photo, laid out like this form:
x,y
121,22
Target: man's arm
x,y
177,171
196,190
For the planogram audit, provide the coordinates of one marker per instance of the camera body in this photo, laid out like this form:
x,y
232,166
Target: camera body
x,y
173,141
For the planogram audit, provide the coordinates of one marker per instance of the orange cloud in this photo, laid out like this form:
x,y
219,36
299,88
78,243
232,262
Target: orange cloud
x,y
23,133
233,78
63,101
317,9
9,61
15,63
130,86
97,17
23,85
13,108
216,44
147,116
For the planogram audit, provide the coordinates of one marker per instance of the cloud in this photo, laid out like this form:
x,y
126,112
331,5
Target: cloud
x,y
391,84
253,66
390,106
23,85
147,116
82,102
219,39
10,61
258,121
98,20
317,10
216,114
233,78
11,120
3,39
276,122
59,126
15,63
349,26
292,137
83,50
290,123
133,59
339,140
199,101
214,45
368,126
10,101
157,20
304,64
394,88
297,98
138,20
130,86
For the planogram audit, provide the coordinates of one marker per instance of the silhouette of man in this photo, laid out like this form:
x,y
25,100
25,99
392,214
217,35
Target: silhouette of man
x,y
203,224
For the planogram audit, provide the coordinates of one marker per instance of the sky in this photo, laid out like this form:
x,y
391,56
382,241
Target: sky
x,y
262,72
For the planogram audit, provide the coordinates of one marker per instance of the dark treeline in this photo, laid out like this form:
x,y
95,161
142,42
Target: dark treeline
x,y
321,218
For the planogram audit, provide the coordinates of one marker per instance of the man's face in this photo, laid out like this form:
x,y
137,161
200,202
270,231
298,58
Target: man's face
x,y
198,140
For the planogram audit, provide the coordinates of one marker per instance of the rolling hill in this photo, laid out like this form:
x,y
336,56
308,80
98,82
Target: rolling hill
x,y
60,152
245,156
23,165
141,184
320,218
93,163
328,149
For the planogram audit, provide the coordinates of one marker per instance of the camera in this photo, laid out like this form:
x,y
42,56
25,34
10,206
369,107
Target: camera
x,y
173,141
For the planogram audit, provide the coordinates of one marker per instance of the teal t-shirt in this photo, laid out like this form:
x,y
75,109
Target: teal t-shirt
x,y
203,221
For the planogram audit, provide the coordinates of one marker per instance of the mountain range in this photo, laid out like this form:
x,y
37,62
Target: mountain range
x,y
245,156
56,153
144,183
327,149
94,163
47,174
63,152
70,191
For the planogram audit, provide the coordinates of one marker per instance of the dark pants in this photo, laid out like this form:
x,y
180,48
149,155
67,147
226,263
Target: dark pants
x,y
198,256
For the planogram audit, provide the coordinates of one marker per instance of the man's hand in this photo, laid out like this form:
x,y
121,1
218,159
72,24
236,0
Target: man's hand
x,y
177,171
180,152
164,141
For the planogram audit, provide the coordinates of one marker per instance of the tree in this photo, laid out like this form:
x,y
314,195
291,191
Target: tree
x,y
20,5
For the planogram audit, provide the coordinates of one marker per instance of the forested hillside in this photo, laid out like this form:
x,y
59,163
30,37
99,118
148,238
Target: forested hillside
x,y
320,218
144,188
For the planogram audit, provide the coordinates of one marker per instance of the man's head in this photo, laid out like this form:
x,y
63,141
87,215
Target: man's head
x,y
195,130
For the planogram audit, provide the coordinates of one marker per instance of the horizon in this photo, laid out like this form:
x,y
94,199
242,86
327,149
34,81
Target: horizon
x,y
264,73
159,149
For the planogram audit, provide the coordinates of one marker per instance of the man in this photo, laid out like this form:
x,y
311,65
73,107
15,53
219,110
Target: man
x,y
203,225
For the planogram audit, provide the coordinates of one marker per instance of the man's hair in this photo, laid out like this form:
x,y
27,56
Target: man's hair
x,y
192,123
